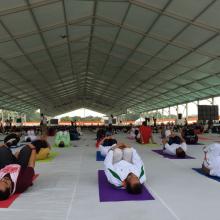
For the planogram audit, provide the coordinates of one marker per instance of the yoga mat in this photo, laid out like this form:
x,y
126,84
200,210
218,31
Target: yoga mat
x,y
209,139
99,157
171,156
11,199
55,146
199,170
196,144
52,155
152,145
107,193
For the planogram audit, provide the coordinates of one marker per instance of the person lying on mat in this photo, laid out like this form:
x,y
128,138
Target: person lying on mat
x,y
30,136
174,145
124,168
16,171
145,134
11,140
42,149
211,163
62,139
106,144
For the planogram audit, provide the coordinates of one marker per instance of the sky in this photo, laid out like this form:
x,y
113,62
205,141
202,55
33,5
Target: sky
x,y
83,112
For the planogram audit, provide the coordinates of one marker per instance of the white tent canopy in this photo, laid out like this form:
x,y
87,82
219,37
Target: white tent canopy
x,y
139,121
108,56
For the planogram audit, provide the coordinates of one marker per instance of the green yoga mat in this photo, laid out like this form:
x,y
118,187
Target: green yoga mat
x,y
54,145
50,158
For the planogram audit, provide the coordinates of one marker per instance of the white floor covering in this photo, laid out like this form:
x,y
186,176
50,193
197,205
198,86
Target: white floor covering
x,y
67,188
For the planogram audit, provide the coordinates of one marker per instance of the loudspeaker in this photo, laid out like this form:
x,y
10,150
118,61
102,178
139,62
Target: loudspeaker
x,y
180,116
18,120
208,112
54,121
114,121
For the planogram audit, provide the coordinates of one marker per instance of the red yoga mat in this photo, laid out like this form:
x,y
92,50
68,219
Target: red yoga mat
x,y
11,199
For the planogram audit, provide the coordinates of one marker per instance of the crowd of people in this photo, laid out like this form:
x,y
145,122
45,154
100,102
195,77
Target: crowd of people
x,y
123,166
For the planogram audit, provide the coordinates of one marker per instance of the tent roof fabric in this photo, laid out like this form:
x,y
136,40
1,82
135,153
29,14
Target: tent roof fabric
x,y
109,55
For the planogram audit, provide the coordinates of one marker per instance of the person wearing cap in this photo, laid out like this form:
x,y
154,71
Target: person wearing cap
x,y
16,170
211,163
124,168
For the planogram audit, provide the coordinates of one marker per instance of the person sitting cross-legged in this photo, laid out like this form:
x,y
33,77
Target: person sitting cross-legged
x,y
124,168
16,170
145,135
211,163
174,145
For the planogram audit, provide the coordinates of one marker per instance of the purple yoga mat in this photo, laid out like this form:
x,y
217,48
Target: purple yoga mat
x,y
107,193
171,156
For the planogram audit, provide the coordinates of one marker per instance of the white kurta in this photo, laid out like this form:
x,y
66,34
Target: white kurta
x,y
212,161
118,172
171,149
104,149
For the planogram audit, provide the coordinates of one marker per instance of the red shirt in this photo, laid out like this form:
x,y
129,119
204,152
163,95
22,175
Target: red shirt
x,y
145,133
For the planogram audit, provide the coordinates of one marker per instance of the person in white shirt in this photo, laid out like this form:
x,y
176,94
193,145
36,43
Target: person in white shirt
x,y
131,132
174,145
124,168
211,163
106,144
31,136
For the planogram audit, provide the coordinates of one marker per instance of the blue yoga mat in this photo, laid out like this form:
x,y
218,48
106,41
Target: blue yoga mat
x,y
199,170
99,157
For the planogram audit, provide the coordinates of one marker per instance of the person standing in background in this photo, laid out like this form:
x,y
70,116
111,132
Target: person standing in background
x,y
43,124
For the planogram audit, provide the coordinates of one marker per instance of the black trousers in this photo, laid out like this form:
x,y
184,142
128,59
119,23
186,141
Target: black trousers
x,y
7,157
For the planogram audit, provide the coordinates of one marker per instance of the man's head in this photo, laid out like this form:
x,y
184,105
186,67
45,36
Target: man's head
x,y
133,185
108,134
5,188
144,123
28,139
180,152
61,144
